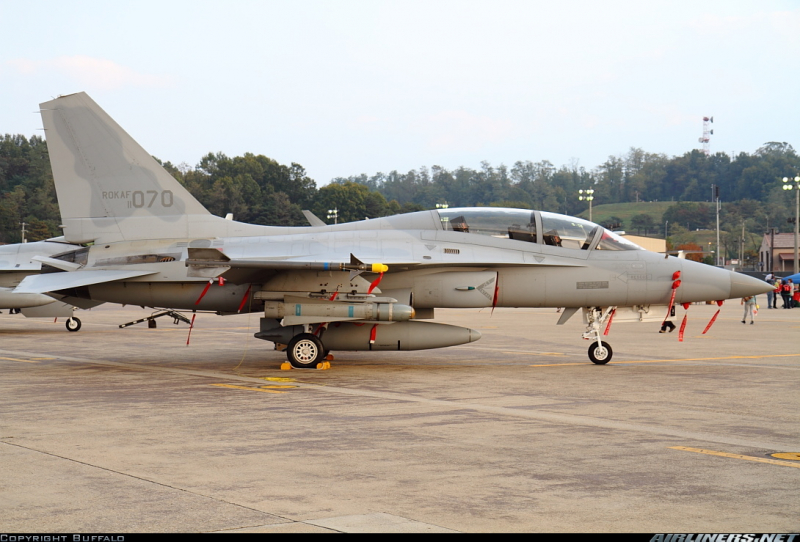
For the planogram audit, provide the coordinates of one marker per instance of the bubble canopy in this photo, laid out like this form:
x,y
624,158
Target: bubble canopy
x,y
534,227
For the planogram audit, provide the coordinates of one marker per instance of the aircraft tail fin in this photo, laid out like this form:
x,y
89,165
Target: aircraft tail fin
x,y
109,188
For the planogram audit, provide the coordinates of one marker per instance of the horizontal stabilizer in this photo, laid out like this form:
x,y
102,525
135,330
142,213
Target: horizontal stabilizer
x,y
58,264
53,282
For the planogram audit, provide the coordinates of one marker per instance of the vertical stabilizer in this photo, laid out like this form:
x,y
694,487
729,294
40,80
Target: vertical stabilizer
x,y
109,188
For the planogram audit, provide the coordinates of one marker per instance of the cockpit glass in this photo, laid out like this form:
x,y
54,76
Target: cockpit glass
x,y
567,231
612,241
518,224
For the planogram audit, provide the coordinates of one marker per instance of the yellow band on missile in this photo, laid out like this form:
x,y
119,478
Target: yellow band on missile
x,y
379,268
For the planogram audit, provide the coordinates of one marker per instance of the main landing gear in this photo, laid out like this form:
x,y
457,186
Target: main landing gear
x,y
600,351
305,351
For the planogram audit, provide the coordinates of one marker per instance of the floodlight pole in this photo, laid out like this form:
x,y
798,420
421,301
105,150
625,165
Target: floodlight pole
x,y
334,214
719,252
587,195
787,185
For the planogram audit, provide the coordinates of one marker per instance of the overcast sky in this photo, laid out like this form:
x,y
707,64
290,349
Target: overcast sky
x,y
348,87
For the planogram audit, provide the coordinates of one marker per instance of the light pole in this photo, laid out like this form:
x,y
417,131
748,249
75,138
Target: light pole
x,y
588,197
334,214
787,185
715,197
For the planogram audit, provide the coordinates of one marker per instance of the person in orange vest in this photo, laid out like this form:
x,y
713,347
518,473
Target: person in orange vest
x,y
776,292
787,289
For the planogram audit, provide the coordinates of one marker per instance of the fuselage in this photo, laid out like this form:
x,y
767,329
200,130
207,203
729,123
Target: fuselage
x,y
471,257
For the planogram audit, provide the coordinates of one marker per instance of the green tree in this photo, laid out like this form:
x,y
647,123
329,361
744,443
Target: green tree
x,y
643,222
348,198
613,223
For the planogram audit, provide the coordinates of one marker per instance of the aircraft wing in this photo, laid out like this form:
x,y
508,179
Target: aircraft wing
x,y
212,263
213,258
53,282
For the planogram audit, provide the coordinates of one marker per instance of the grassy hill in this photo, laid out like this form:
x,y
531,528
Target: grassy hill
x,y
705,238
626,211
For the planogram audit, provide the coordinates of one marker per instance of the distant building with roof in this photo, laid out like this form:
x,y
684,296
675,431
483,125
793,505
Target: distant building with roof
x,y
781,254
652,244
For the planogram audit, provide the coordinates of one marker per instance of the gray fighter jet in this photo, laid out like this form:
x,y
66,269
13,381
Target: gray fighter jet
x,y
24,259
355,286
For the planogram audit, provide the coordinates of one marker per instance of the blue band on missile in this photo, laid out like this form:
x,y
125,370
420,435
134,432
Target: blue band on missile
x,y
326,266
350,311
297,309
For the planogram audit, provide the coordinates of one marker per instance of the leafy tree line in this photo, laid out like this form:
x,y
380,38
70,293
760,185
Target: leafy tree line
x,y
259,190
27,193
749,184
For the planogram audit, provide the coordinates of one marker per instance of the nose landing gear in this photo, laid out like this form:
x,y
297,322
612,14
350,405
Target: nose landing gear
x,y
73,324
600,352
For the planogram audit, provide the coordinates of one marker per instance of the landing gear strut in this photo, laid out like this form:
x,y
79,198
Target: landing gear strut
x,y
600,351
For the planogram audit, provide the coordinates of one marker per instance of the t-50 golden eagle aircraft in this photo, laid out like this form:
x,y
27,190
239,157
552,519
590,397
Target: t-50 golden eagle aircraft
x,y
365,285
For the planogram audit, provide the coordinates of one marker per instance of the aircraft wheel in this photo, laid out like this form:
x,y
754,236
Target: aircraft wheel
x,y
305,351
73,324
600,355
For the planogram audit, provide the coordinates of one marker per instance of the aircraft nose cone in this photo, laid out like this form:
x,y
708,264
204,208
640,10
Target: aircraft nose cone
x,y
474,335
743,285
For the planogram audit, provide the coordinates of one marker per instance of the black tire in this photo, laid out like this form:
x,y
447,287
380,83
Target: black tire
x,y
73,324
600,355
305,351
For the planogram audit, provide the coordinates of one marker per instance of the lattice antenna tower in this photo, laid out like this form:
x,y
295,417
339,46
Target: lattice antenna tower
x,y
707,133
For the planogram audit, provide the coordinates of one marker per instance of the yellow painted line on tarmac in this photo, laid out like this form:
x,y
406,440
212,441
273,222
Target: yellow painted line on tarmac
x,y
535,353
558,364
25,360
680,359
737,456
246,388
792,456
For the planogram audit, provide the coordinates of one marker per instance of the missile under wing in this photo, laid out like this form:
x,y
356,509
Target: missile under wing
x,y
367,285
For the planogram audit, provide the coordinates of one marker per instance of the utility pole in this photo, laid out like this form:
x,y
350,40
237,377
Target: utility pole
x,y
741,247
715,197
23,232
796,187
771,249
